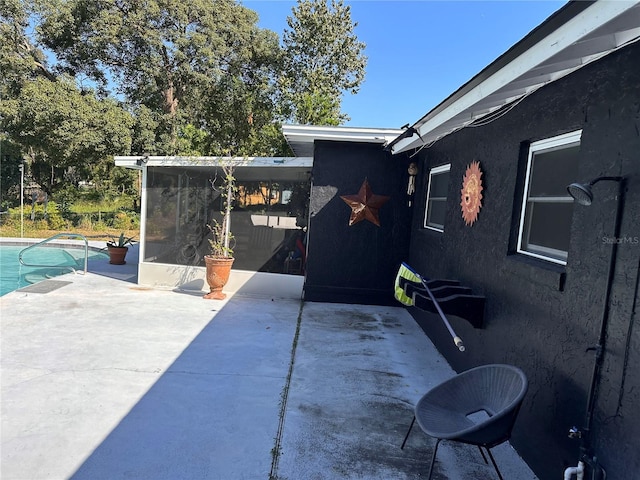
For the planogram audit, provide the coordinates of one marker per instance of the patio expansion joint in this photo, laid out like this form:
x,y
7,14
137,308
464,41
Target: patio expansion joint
x,y
277,447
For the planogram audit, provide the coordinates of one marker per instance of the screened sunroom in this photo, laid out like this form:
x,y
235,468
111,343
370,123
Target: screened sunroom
x,y
181,196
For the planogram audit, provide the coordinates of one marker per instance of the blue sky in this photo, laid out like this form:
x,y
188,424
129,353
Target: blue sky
x,y
419,51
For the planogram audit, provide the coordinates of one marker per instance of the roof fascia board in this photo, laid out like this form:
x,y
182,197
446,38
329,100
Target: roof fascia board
x,y
571,31
337,131
338,138
176,161
308,134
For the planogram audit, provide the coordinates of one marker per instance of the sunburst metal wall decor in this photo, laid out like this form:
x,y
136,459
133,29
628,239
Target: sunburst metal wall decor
x,y
471,193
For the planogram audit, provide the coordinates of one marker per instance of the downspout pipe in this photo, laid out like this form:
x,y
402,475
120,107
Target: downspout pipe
x,y
577,471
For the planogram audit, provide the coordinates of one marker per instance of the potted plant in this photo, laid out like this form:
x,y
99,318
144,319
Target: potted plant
x,y
117,248
220,258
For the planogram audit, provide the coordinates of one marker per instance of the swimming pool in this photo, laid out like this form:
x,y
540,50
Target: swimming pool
x,y
13,275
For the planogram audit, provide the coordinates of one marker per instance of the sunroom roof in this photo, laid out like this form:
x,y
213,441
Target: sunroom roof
x,y
301,138
138,161
574,36
274,168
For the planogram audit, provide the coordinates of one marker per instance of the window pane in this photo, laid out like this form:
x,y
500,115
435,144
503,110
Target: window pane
x,y
549,226
436,213
437,198
553,171
546,220
439,185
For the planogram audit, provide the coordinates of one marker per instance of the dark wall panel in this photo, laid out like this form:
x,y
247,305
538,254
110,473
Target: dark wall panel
x,y
541,316
358,263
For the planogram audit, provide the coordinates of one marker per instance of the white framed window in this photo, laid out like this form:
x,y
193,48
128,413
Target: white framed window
x,y
437,190
545,221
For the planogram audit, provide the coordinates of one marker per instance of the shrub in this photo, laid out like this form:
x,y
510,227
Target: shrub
x,y
135,220
122,221
9,219
56,222
100,226
41,224
85,222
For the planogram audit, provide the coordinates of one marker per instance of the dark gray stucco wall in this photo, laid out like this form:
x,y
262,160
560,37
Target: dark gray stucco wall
x,y
358,263
539,316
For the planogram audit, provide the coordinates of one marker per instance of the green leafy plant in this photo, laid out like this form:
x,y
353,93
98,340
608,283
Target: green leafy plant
x,y
221,241
219,248
120,241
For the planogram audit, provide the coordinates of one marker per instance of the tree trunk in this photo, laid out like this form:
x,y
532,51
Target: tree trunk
x,y
170,100
171,108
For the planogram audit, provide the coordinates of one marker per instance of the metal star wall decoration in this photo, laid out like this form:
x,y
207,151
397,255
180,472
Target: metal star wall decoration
x,y
365,204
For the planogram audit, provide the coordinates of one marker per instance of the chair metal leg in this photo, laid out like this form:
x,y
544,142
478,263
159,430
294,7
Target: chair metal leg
x,y
433,458
407,435
483,455
494,464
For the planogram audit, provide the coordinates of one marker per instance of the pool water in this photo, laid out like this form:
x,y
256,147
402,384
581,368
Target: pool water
x,y
13,275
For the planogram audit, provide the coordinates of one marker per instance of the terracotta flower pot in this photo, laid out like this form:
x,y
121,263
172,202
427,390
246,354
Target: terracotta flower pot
x,y
117,254
218,270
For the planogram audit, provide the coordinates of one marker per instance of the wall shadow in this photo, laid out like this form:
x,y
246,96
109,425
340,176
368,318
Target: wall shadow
x,y
214,412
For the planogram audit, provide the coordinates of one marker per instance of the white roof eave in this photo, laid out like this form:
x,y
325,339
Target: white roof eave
x,y
301,138
567,45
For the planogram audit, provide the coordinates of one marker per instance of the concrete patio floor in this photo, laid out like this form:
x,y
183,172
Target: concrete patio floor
x,y
104,379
